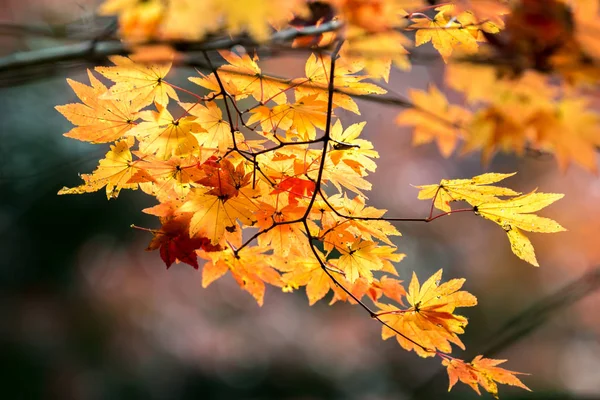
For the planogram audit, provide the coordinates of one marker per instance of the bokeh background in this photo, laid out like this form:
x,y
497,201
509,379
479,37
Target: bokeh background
x,y
86,313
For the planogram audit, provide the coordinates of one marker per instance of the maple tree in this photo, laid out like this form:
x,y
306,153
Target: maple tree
x,y
274,192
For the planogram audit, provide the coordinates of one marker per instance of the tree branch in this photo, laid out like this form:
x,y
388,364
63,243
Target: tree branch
x,y
95,49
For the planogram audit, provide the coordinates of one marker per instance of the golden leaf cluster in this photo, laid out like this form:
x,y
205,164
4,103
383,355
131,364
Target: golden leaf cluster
x,y
261,178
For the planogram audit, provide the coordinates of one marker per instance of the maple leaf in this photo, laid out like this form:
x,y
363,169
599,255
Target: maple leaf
x,y
172,178
286,236
114,171
216,211
481,371
210,82
485,16
377,51
303,269
474,191
317,77
430,321
286,163
296,188
357,153
358,259
513,215
224,178
355,208
250,267
216,132
304,116
175,244
299,119
165,136
434,119
390,287
246,76
99,120
344,174
444,33
139,80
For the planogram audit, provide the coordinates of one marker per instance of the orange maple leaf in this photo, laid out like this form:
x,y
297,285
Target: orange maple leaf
x,y
430,322
250,267
481,371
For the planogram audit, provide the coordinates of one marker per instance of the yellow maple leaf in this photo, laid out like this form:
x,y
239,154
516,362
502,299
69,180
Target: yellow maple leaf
x,y
358,259
434,119
474,191
304,116
344,175
377,51
430,322
213,214
169,179
332,223
245,75
299,119
513,215
282,238
114,171
348,148
99,120
165,136
303,269
216,132
317,70
145,81
444,33
210,82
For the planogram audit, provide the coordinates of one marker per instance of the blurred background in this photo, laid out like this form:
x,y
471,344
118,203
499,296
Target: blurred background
x,y
88,314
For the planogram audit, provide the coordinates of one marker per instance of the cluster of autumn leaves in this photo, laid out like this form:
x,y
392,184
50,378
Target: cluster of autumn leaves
x,y
259,178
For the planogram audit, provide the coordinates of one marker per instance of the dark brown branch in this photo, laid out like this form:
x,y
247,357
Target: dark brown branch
x,y
97,49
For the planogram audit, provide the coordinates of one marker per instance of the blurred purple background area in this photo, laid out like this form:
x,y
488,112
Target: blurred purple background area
x,y
88,314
